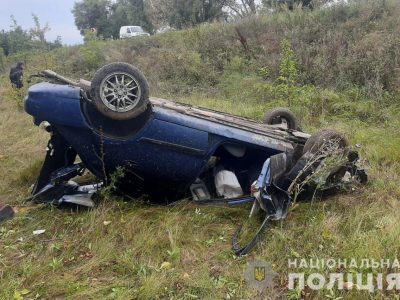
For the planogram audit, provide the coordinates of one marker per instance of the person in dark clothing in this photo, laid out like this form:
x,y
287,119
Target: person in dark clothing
x,y
16,74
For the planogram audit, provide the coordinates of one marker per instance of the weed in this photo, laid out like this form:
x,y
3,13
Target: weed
x,y
115,179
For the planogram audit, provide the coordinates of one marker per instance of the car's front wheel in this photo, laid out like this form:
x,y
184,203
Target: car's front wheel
x,y
326,140
120,91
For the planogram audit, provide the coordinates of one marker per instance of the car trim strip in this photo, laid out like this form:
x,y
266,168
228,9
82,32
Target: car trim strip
x,y
181,148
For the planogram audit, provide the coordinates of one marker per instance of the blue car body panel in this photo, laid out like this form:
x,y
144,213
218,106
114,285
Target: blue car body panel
x,y
58,104
172,146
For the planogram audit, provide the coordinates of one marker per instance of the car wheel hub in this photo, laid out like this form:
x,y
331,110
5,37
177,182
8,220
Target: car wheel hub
x,y
120,92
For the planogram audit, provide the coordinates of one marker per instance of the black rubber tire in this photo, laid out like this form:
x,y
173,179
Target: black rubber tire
x,y
317,140
109,69
275,115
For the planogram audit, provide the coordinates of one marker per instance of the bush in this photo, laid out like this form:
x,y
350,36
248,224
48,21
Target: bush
x,y
17,95
2,60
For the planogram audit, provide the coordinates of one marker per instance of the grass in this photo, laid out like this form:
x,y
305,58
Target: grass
x,y
131,250
126,249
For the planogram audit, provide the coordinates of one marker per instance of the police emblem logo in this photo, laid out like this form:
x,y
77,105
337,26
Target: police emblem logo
x,y
259,273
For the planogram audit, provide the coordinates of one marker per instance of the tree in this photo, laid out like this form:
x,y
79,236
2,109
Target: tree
x,y
93,14
2,59
17,39
158,12
187,13
134,12
242,8
57,43
4,45
275,4
38,32
108,16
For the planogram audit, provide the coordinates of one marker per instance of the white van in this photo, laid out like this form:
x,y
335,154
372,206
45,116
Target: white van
x,y
131,31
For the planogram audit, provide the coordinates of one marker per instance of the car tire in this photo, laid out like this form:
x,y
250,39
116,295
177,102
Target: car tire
x,y
281,115
316,142
120,91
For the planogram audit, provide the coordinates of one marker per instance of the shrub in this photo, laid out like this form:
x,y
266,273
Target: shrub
x,y
2,60
90,58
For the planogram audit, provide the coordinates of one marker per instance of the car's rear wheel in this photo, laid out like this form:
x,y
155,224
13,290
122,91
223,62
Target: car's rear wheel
x,y
120,91
283,117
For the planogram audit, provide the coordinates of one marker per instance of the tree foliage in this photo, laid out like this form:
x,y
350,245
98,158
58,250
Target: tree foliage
x,y
242,8
276,4
93,14
38,32
108,16
186,13
137,13
18,39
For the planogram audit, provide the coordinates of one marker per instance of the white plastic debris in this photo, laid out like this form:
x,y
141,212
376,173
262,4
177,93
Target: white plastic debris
x,y
227,184
39,232
346,177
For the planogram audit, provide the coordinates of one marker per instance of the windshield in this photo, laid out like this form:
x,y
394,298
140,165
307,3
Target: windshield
x,y
136,29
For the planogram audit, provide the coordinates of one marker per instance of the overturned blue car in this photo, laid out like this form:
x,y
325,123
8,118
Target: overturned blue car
x,y
171,151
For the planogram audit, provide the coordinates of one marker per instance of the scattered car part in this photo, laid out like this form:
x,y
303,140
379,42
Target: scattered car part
x,y
54,185
6,212
59,155
79,199
67,193
39,231
199,190
274,190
